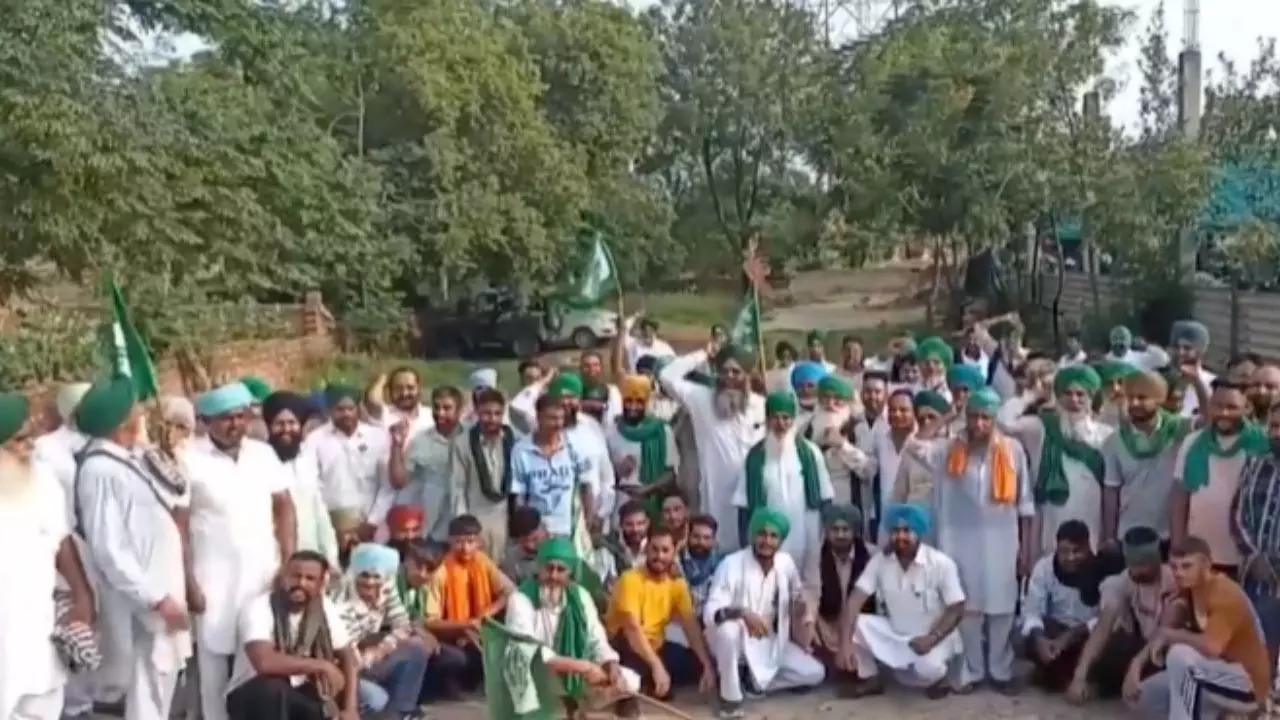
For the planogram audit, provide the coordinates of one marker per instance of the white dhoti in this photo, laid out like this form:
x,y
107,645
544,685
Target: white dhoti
x,y
875,641
773,664
45,706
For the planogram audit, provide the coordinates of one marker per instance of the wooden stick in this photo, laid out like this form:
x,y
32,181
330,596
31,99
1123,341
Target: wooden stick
x,y
664,707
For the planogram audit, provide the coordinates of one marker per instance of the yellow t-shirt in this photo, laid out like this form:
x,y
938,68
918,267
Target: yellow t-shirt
x,y
654,602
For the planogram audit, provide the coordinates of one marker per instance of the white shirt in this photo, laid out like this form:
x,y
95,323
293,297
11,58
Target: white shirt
x,y
915,597
256,623
421,421
1068,360
351,466
57,451
637,348
1190,402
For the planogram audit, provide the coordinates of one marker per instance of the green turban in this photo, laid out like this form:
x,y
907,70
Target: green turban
x,y
1112,370
935,347
1121,336
845,513
106,406
744,356
983,400
335,393
557,549
566,384
836,387
257,387
815,337
965,376
1192,332
1081,376
596,391
15,410
781,402
767,517
933,400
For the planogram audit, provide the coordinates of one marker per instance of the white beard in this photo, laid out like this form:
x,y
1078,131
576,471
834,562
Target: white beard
x,y
551,597
17,478
775,445
824,420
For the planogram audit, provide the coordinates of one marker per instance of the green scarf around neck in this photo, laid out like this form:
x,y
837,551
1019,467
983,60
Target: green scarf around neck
x,y
1195,473
410,597
571,632
1144,447
808,469
651,435
1051,484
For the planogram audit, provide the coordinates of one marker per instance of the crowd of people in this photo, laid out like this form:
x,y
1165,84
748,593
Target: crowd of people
x,y
657,523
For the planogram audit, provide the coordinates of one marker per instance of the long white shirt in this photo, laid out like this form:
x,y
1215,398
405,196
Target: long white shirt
x,y
877,456
58,450
783,481
740,582
541,624
914,597
636,348
722,443
315,528
352,467
33,525
234,553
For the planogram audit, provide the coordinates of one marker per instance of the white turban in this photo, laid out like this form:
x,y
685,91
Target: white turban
x,y
484,378
178,410
68,398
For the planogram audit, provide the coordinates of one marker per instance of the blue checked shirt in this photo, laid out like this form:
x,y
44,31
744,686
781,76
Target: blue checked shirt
x,y
1255,521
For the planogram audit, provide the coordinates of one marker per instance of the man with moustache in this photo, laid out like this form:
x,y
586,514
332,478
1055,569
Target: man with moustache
x,y
1207,472
483,380
934,356
403,387
875,398
591,370
547,476
878,464
816,350
784,361
1064,445
481,468
285,414
34,527
1255,525
419,470
1189,340
962,381
851,360
826,430
728,420
130,520
294,657
242,523
1264,390
843,557
353,455
914,481
785,472
642,448
747,627
699,559
1061,606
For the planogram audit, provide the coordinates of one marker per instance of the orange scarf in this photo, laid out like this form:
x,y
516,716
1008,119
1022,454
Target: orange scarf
x,y
468,586
1004,479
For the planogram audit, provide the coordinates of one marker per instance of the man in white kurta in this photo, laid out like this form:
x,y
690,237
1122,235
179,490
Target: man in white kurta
x,y
753,597
242,521
826,430
918,589
728,420
875,462
1064,444
352,456
33,527
285,414
984,508
127,513
786,473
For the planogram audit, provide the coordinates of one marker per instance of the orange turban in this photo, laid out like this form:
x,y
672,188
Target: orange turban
x,y
636,387
404,517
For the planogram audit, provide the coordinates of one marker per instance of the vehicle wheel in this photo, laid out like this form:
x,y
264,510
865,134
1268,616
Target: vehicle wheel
x,y
525,346
583,338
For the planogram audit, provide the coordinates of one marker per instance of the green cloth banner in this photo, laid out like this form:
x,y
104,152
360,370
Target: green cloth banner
x,y
128,351
517,683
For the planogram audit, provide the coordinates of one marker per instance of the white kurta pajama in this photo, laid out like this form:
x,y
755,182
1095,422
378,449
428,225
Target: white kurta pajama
x,y
234,552
981,536
722,444
33,524
353,468
1084,499
129,529
774,661
783,479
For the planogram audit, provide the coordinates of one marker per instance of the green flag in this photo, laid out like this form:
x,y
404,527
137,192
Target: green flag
x,y
745,331
517,683
598,278
129,354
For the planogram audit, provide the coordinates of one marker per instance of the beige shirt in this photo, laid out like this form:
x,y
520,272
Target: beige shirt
x,y
1209,512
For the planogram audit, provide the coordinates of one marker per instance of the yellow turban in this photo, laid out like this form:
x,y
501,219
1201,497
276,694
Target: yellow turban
x,y
636,387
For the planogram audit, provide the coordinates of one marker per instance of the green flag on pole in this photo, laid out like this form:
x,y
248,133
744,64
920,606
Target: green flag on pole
x,y
745,331
598,278
517,683
129,354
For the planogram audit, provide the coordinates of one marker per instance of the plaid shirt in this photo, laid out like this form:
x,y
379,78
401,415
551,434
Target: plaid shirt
x,y
1255,519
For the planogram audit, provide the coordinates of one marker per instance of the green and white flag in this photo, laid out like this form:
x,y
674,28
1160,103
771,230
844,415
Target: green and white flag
x,y
517,683
129,354
745,332
597,280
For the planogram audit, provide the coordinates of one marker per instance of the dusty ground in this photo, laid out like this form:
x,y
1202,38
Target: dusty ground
x,y
863,299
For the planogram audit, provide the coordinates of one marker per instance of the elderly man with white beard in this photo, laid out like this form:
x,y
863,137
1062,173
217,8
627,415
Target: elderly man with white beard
x,y
786,473
34,528
827,432
728,420
805,377
1064,443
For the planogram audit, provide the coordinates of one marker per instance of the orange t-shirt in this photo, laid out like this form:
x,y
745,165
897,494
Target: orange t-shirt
x,y
1225,617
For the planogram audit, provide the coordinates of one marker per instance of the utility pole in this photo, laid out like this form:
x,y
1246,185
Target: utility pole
x,y
1190,100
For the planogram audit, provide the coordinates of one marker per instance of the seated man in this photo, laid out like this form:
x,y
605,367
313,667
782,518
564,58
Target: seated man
x,y
1061,607
470,589
417,590
1219,668
519,559
921,602
560,614
842,559
644,602
699,559
295,658
751,628
1131,610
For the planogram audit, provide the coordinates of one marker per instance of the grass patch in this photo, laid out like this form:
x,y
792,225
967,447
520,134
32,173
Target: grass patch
x,y
686,311
362,369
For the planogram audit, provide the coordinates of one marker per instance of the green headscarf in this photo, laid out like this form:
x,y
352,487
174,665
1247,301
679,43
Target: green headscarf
x,y
767,517
836,387
571,632
257,387
815,337
935,347
106,406
1142,447
780,402
1051,483
1081,376
651,435
1195,473
933,400
15,410
566,384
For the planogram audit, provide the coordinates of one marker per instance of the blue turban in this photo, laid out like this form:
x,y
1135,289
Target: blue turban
x,y
983,400
1191,332
222,400
965,376
375,559
914,516
767,517
807,373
